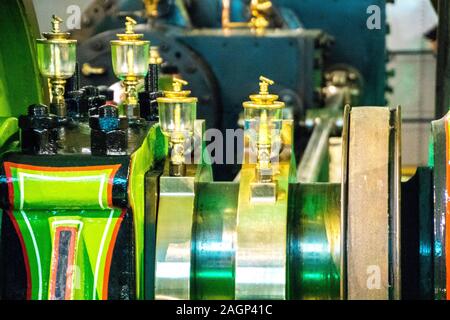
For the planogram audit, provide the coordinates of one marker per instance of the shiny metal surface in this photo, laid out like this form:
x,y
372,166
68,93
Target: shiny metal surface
x,y
395,203
440,136
316,151
261,231
173,238
151,211
215,235
344,203
314,241
335,156
175,220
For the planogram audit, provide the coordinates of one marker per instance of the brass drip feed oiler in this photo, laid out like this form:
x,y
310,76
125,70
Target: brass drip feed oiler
x,y
177,114
57,61
151,8
263,115
259,21
130,57
259,10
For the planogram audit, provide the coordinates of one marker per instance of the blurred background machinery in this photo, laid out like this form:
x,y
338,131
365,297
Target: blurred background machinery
x,y
196,42
410,58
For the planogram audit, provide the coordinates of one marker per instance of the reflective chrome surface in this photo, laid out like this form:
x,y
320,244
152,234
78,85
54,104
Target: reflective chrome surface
x,y
175,227
262,231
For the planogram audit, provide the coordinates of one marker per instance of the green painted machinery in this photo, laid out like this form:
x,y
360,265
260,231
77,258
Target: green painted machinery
x,y
73,224
101,205
73,190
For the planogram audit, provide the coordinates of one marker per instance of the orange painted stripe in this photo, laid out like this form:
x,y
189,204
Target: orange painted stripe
x,y
42,168
24,251
111,247
9,183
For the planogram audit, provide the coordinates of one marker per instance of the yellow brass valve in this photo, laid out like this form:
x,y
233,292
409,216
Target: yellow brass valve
x,y
57,61
151,8
263,115
130,57
259,10
177,114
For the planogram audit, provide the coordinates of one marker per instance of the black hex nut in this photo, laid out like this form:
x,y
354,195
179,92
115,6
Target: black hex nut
x,y
148,105
107,92
109,134
39,133
84,102
90,91
94,103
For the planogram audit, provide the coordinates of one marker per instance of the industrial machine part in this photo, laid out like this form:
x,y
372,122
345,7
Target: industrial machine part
x,y
371,261
186,256
261,217
18,59
343,86
108,132
174,241
234,253
207,14
154,81
184,169
39,131
258,23
441,184
73,196
57,62
443,60
130,57
88,196
203,53
177,113
221,110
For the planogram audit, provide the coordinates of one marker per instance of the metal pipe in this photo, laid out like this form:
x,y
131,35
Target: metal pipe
x,y
443,60
225,13
317,148
226,17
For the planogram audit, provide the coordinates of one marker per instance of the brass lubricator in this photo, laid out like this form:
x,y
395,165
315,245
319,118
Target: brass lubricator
x,y
177,114
130,56
258,23
57,61
259,10
264,111
151,8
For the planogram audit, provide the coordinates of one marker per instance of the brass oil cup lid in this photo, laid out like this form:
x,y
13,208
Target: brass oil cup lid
x,y
56,36
264,100
178,95
130,37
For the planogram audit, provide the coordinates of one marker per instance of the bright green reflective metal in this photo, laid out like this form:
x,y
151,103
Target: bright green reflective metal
x,y
20,84
313,241
9,128
213,265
